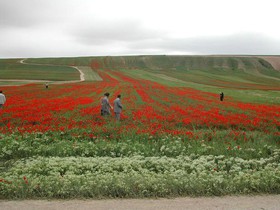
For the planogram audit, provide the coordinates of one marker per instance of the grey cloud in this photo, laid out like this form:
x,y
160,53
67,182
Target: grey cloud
x,y
107,32
71,28
29,13
15,14
232,44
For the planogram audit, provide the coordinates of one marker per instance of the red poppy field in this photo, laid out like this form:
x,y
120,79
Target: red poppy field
x,y
171,141
150,108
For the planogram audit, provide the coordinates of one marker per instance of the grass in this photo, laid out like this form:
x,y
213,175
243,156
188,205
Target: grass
x,y
55,165
245,95
12,83
15,70
253,145
90,74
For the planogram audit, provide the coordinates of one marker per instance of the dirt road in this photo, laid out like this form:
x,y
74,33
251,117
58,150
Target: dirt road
x,y
267,202
82,75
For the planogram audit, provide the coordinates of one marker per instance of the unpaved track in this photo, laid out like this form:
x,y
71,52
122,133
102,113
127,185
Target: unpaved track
x,y
86,73
23,81
82,75
267,202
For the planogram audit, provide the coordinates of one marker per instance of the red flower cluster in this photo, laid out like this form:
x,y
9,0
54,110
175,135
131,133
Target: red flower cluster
x,y
148,108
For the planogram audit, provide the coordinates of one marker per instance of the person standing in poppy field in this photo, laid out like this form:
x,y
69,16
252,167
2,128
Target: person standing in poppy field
x,y
2,99
118,107
221,96
105,105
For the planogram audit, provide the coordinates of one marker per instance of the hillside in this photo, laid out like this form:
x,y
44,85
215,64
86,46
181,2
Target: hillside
x,y
273,60
166,62
241,72
233,71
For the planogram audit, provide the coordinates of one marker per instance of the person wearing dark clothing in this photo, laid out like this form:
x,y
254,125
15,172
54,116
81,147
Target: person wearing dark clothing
x,y
221,96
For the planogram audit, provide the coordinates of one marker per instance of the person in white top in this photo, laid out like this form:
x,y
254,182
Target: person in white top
x,y
2,99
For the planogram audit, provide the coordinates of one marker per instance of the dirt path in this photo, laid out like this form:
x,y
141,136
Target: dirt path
x,y
82,75
267,202
86,74
89,74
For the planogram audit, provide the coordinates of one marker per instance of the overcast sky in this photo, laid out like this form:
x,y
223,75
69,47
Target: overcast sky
x,y
57,28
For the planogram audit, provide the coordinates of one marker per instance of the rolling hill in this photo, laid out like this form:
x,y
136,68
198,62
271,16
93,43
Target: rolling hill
x,y
242,72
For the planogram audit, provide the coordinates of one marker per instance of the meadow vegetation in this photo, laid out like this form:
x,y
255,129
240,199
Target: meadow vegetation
x,y
14,70
175,138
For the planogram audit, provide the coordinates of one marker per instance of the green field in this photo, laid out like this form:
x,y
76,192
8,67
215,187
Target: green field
x,y
12,69
175,137
249,94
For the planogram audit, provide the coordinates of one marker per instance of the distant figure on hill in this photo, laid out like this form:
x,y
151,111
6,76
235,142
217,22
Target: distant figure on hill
x,y
47,85
105,105
118,107
221,96
2,99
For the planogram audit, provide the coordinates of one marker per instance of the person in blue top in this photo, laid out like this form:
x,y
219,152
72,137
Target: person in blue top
x,y
118,107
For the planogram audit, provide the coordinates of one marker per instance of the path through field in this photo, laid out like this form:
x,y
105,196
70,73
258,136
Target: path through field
x,y
267,202
86,74
82,75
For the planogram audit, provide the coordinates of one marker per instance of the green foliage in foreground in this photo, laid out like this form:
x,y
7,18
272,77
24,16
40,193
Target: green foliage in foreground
x,y
244,145
140,176
63,165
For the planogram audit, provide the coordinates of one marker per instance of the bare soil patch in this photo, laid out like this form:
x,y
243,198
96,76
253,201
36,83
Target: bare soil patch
x,y
273,60
267,202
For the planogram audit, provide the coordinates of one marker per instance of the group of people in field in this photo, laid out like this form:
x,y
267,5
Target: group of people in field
x,y
106,106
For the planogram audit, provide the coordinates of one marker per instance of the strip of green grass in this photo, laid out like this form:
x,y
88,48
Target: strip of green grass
x,y
37,72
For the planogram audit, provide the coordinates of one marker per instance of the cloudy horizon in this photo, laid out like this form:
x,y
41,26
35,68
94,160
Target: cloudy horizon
x,y
72,28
